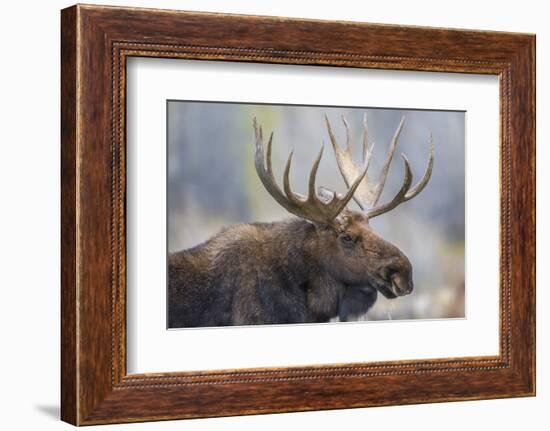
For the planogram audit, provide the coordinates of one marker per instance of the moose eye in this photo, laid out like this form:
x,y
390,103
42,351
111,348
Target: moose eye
x,y
346,239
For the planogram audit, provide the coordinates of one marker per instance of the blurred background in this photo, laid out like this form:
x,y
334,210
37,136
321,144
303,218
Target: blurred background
x,y
212,183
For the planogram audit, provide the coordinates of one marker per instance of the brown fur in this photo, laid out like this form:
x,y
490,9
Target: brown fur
x,y
285,272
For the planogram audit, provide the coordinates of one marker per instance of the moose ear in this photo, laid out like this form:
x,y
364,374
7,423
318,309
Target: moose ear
x,y
327,195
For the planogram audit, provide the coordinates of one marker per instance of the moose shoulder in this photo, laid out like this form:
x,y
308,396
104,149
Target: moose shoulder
x,y
326,263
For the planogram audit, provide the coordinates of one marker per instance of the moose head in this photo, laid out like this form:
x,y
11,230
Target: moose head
x,y
348,248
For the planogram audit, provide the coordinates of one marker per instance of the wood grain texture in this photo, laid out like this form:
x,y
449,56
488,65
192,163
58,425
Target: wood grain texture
x,y
68,217
96,41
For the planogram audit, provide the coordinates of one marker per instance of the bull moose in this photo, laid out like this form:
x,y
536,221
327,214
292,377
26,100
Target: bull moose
x,y
326,263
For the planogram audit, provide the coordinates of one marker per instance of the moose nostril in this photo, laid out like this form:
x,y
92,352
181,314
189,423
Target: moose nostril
x,y
403,285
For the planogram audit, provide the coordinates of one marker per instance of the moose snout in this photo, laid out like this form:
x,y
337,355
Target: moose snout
x,y
402,284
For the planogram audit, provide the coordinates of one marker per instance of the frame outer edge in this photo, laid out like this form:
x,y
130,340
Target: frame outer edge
x,y
69,411
532,100
533,54
530,63
523,218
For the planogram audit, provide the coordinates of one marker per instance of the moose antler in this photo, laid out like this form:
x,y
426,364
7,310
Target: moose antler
x,y
368,193
311,207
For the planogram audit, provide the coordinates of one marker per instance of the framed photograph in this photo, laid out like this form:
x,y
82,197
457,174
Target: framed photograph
x,y
263,214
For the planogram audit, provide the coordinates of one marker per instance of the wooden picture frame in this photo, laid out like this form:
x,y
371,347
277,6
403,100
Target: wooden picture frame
x,y
96,41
